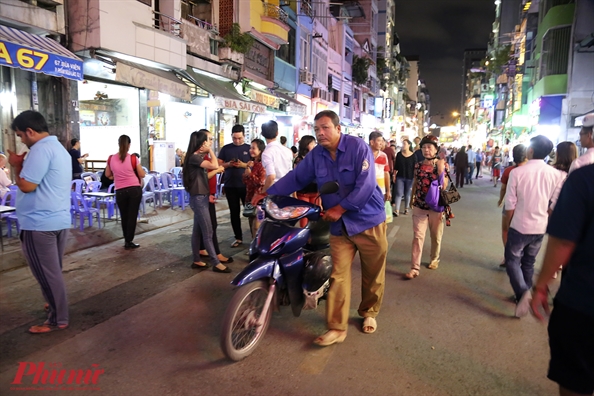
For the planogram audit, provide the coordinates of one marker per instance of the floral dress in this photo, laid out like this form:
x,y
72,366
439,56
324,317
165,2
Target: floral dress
x,y
255,181
424,175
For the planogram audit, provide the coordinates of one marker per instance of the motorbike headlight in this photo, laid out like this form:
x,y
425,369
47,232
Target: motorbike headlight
x,y
286,213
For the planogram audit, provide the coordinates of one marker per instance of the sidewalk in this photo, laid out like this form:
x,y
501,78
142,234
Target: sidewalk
x,y
110,231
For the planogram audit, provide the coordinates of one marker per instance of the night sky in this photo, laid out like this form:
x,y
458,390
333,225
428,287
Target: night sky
x,y
439,31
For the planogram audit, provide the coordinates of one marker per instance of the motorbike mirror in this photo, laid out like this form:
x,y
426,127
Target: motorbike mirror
x,y
329,188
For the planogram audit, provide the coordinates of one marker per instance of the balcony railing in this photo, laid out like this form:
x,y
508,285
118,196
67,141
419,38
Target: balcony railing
x,y
306,8
167,23
274,11
203,24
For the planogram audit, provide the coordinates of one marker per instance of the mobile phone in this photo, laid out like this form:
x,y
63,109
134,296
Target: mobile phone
x,y
233,159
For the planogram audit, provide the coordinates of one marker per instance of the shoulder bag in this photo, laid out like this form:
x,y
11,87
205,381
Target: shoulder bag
x,y
449,196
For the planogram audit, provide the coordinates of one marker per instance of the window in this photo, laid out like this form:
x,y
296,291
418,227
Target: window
x,y
286,52
319,64
555,51
321,12
304,50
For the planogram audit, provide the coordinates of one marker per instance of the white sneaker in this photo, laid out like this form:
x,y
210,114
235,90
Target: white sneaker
x,y
523,306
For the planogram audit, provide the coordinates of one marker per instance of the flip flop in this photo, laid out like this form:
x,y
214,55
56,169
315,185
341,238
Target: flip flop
x,y
368,323
46,328
236,243
331,337
413,273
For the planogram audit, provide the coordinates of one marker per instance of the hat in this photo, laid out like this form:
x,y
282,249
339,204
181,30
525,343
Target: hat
x,y
429,139
588,120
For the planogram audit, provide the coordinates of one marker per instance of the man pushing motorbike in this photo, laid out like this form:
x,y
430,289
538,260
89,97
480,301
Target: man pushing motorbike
x,y
357,215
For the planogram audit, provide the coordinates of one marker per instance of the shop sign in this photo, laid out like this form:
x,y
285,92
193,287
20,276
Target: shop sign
x,y
297,109
388,109
233,104
378,107
257,60
38,61
142,79
268,100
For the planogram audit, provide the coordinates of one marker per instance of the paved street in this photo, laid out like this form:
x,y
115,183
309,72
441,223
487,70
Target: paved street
x,y
152,323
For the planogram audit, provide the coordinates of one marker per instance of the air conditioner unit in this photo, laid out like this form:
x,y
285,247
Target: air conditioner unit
x,y
484,87
305,77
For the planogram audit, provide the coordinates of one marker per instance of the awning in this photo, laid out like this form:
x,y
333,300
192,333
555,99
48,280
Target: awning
x,y
295,108
225,94
151,78
38,54
335,80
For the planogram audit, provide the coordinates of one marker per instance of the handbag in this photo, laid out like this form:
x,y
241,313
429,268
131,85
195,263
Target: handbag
x,y
249,210
432,199
449,196
389,213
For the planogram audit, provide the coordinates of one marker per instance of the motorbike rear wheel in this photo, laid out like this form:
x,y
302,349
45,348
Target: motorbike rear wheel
x,y
240,334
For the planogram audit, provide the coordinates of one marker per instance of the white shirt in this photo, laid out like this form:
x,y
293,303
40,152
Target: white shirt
x,y
586,159
277,160
530,189
4,183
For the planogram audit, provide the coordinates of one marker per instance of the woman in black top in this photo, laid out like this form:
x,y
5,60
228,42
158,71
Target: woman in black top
x,y
196,183
403,172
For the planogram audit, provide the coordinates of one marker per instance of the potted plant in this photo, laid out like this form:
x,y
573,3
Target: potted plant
x,y
360,67
235,45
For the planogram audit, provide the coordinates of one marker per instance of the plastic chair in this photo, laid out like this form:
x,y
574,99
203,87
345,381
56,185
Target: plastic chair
x,y
178,175
166,185
78,185
110,203
81,208
148,193
9,199
93,186
92,175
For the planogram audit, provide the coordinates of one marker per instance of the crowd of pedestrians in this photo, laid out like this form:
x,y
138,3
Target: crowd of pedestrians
x,y
536,198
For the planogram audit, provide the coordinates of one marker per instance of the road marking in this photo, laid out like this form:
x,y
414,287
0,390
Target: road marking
x,y
316,361
392,236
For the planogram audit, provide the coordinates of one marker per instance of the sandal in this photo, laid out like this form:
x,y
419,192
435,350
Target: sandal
x,y
369,325
433,265
331,337
46,328
200,265
413,273
236,243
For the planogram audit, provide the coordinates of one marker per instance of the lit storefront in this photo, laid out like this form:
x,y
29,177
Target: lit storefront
x,y
32,73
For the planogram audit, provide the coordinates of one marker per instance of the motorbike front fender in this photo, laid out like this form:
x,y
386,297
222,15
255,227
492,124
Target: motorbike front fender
x,y
261,267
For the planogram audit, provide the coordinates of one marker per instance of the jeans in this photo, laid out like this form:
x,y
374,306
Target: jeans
x,y
520,256
469,172
202,230
236,200
213,222
128,201
403,187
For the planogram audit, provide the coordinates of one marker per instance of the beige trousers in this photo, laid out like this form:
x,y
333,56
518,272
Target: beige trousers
x,y
422,218
372,245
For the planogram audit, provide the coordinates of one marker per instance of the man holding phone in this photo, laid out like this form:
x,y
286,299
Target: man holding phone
x,y
234,158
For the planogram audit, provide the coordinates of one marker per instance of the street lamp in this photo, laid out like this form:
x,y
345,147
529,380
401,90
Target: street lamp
x,y
455,114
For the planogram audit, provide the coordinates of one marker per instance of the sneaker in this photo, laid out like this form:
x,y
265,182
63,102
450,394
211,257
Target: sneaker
x,y
523,306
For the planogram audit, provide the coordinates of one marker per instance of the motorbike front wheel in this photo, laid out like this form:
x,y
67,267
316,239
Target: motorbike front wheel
x,y
241,334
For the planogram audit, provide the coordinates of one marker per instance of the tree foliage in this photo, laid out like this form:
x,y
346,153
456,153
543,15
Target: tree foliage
x,y
238,41
360,69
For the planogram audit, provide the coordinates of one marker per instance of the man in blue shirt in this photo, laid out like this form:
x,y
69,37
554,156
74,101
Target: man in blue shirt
x,y
471,164
571,326
358,221
43,210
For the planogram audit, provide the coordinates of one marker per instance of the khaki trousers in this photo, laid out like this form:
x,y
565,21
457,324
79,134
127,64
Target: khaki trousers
x,y
372,245
422,218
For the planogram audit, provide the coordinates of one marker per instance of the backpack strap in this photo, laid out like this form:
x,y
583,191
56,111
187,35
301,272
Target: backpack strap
x,y
134,162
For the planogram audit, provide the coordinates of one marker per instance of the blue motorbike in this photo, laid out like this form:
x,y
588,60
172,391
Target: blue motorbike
x,y
288,266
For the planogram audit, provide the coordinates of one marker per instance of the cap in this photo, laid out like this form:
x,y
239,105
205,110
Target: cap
x,y
588,120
